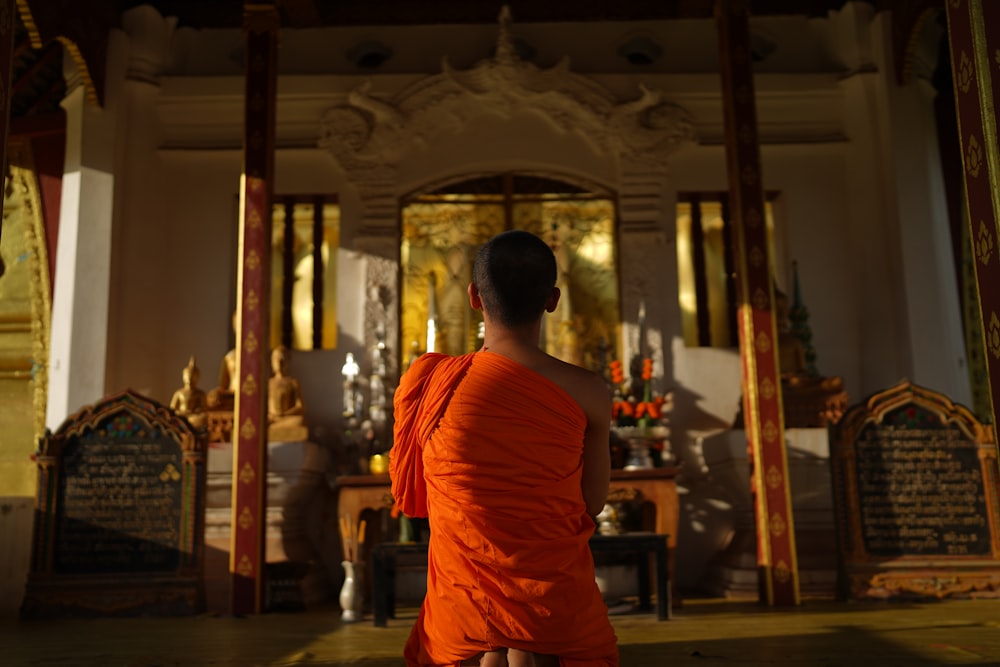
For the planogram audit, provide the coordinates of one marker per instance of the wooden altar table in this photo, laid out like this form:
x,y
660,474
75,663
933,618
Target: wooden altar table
x,y
355,493
658,486
649,551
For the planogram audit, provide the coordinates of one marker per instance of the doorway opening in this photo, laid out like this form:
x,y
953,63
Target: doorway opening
x,y
444,226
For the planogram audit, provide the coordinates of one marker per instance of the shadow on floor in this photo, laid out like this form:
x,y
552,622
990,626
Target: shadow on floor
x,y
823,634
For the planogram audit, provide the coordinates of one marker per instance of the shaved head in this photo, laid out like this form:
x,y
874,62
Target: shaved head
x,y
515,272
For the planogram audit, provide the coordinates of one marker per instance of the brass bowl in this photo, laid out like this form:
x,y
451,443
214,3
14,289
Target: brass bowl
x,y
378,464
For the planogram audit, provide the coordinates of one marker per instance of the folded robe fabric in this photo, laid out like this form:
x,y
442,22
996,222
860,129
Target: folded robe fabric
x,y
491,452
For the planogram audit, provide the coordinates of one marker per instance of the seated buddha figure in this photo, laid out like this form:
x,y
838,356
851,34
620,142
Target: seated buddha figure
x,y
285,407
189,400
222,396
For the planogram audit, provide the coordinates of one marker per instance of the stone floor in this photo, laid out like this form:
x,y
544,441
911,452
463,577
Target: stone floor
x,y
702,632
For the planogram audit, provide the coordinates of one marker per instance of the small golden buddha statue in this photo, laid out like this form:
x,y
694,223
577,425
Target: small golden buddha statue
x,y
222,396
285,407
189,400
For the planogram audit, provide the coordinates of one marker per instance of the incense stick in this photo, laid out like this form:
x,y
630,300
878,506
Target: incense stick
x,y
352,537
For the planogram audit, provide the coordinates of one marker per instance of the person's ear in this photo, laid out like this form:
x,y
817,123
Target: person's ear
x,y
550,305
475,300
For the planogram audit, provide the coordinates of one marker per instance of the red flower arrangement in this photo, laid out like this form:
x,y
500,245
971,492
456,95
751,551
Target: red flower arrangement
x,y
638,416
626,408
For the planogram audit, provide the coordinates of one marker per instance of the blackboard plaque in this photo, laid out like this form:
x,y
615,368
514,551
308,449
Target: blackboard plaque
x,y
915,486
119,524
121,502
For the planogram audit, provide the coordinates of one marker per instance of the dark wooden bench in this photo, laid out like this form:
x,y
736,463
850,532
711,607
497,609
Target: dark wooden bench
x,y
640,547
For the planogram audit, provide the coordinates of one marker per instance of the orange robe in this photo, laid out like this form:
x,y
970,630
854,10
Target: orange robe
x,y
491,452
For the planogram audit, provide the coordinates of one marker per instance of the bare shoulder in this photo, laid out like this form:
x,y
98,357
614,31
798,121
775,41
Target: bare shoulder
x,y
586,387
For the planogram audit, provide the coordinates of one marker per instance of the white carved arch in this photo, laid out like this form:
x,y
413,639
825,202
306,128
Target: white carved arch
x,y
369,136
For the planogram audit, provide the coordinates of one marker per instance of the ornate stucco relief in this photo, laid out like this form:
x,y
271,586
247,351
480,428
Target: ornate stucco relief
x,y
370,136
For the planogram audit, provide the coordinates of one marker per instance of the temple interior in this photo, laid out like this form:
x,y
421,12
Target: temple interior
x,y
198,192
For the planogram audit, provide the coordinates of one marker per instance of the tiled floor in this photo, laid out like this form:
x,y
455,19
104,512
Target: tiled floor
x,y
703,632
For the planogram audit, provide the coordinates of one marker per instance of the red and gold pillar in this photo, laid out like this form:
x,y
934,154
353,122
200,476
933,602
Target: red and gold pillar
x,y
776,560
974,40
247,548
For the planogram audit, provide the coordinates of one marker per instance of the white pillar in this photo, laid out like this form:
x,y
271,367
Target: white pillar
x,y
932,293
909,320
647,267
78,350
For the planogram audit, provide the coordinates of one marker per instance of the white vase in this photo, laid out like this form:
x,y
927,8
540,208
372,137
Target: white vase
x,y
352,593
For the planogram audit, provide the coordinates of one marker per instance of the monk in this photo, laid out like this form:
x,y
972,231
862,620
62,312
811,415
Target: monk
x,y
505,451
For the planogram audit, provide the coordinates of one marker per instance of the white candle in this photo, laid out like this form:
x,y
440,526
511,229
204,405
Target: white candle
x,y
642,328
432,315
350,368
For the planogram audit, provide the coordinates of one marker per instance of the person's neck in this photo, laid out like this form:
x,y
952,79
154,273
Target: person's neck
x,y
501,339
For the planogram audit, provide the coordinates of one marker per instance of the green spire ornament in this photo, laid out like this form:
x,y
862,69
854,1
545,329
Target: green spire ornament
x,y
798,316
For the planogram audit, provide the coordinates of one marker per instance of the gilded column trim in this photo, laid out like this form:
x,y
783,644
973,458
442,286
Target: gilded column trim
x,y
22,170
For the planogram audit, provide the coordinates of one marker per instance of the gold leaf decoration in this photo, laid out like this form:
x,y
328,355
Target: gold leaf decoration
x,y
760,299
770,431
984,243
247,474
773,477
965,73
250,343
763,343
249,385
777,525
248,430
767,389
973,156
245,567
253,219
